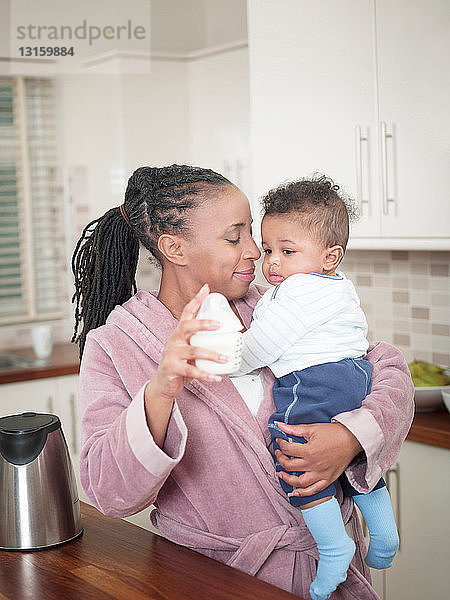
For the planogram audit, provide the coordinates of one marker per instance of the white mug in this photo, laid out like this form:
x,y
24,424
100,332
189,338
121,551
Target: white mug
x,y
42,339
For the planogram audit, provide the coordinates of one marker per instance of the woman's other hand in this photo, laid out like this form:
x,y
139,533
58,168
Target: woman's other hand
x,y
329,450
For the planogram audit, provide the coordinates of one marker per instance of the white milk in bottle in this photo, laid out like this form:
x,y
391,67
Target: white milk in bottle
x,y
226,340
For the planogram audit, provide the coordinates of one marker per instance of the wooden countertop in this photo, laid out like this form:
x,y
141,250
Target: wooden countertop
x,y
116,560
431,428
63,361
428,428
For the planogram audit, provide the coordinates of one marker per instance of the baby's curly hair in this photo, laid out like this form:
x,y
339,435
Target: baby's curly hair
x,y
318,203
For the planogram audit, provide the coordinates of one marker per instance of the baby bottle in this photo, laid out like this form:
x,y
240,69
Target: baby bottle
x,y
226,340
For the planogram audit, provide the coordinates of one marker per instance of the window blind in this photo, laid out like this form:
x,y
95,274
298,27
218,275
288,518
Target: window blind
x,y
32,235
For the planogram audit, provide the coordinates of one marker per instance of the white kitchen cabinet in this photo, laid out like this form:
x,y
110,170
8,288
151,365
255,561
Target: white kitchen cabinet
x,y
55,395
37,395
308,88
413,46
66,394
421,567
357,89
419,488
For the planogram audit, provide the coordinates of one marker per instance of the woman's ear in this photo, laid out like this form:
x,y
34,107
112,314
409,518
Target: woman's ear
x,y
333,256
171,248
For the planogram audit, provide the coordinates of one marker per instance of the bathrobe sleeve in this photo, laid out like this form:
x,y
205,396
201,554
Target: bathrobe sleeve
x,y
383,421
121,467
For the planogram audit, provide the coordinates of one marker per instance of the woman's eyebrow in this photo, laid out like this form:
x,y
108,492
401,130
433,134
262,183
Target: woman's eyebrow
x,y
234,225
237,225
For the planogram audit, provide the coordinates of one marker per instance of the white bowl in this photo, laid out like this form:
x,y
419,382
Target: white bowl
x,y
429,398
446,397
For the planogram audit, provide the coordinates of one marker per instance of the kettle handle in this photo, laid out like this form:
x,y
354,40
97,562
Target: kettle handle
x,y
22,449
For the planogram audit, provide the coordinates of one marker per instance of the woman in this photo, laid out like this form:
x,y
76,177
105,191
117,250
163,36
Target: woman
x,y
155,429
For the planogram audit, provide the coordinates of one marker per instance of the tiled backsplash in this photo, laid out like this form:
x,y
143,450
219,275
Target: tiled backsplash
x,y
406,298
405,295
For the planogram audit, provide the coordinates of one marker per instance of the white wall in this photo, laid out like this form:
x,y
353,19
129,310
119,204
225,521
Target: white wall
x,y
155,116
225,21
194,111
91,136
183,111
114,123
177,25
4,28
219,117
72,24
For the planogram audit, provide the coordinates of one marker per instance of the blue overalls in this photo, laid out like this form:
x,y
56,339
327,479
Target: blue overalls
x,y
315,395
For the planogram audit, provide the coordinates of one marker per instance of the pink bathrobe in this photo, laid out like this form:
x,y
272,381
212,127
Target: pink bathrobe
x,y
214,483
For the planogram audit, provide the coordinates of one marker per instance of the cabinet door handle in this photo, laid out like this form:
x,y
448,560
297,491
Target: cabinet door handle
x,y
384,168
359,138
395,471
50,407
73,420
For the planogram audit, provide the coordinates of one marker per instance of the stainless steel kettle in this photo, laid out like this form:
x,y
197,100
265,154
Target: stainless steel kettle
x,y
39,504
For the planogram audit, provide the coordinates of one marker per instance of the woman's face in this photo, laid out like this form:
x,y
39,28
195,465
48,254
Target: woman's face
x,y
220,249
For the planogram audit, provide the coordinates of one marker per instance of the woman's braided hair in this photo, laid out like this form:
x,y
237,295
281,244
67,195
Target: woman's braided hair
x,y
105,258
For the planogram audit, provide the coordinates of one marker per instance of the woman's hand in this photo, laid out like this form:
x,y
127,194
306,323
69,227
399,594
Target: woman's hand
x,y
329,450
177,362
177,366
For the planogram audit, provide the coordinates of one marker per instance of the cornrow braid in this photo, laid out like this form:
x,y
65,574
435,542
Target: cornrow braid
x,y
105,258
157,200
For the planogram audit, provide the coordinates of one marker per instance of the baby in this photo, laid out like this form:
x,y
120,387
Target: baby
x,y
311,331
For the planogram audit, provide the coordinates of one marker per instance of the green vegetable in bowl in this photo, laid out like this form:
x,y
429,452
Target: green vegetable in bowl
x,y
425,374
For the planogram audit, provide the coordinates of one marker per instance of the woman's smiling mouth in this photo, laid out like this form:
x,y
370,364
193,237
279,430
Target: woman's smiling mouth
x,y
248,275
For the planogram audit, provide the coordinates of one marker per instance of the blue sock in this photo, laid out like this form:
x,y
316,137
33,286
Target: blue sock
x,y
336,549
376,509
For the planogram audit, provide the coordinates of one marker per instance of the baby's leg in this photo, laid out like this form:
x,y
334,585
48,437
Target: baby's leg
x,y
376,509
336,549
323,518
299,398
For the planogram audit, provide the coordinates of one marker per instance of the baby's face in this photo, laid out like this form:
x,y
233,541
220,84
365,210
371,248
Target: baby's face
x,y
288,249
